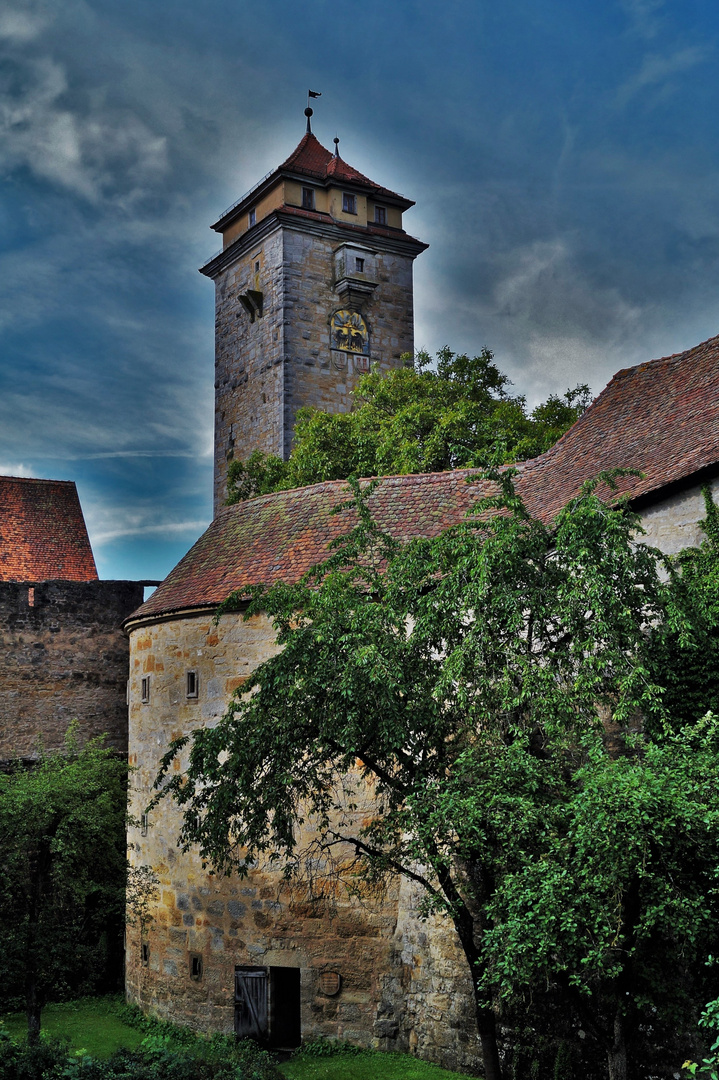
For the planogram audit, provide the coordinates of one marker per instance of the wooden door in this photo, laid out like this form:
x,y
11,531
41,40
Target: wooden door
x,y
251,1012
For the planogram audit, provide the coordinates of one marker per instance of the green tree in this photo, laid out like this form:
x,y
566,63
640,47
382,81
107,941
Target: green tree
x,y
62,872
476,677
410,420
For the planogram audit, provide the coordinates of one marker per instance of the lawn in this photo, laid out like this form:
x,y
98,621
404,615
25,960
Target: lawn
x,y
365,1067
90,1024
93,1024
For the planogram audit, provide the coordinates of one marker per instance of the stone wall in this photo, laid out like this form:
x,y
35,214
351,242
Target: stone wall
x,y
63,656
671,523
404,982
268,368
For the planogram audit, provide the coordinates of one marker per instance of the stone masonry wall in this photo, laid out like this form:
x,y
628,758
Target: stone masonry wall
x,y
317,375
266,369
233,921
63,656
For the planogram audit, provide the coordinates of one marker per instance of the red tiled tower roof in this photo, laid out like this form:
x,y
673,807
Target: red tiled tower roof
x,y
310,158
661,417
43,536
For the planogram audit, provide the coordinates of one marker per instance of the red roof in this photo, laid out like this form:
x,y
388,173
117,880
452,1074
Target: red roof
x,y
42,532
311,159
661,417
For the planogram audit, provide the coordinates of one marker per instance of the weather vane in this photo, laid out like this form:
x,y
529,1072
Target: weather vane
x,y
308,110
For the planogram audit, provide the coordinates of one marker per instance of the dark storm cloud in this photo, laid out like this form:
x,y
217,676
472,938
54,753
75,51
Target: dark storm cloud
x,y
563,158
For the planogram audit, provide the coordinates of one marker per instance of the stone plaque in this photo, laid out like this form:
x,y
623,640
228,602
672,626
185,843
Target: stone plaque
x,y
330,983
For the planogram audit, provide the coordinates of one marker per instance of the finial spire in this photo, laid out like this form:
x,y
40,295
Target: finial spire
x,y
308,110
336,141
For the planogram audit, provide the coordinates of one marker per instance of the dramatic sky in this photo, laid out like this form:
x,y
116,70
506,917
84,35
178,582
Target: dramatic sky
x,y
564,158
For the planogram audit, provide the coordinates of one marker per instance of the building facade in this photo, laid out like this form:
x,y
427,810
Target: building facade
x,y
63,653
254,954
313,286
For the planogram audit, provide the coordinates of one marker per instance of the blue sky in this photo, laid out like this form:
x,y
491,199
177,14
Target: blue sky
x,y
564,159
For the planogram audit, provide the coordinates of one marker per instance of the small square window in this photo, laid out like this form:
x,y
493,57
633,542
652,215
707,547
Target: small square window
x,y
192,684
380,215
145,689
195,967
308,198
144,824
349,203
359,266
252,217
145,954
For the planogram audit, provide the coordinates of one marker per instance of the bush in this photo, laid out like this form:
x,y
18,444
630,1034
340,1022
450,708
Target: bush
x,y
157,1059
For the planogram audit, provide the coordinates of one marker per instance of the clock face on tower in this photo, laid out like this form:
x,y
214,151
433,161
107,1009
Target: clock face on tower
x,y
349,332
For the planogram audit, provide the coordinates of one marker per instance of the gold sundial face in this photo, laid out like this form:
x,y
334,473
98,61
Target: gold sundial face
x,y
349,332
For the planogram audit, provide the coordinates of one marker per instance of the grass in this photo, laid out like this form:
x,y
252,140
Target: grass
x,y
93,1024
90,1024
370,1066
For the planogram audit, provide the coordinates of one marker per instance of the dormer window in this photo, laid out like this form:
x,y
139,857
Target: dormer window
x,y
252,217
380,215
308,198
359,266
349,203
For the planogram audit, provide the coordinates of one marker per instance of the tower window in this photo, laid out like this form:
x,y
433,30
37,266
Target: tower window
x,y
257,267
145,954
195,967
308,198
252,217
359,266
144,824
192,684
145,689
380,215
349,203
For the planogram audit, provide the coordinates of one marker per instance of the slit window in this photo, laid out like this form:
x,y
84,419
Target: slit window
x,y
308,198
195,967
359,266
144,824
349,203
252,217
145,954
191,687
380,215
145,689
31,596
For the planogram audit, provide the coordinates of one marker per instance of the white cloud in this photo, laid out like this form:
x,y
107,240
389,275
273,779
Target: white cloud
x,y
76,142
17,469
644,15
657,70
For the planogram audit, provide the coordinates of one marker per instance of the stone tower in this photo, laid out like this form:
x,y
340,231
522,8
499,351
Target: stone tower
x,y
313,287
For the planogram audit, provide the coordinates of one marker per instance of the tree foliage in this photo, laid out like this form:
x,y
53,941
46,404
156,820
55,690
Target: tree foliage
x,y
413,419
494,684
62,873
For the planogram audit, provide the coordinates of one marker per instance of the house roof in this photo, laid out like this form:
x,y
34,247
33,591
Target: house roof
x,y
43,536
661,418
310,158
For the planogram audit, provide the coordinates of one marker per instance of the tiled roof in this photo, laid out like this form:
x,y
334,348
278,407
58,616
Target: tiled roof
x,y
42,532
310,158
282,535
661,417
